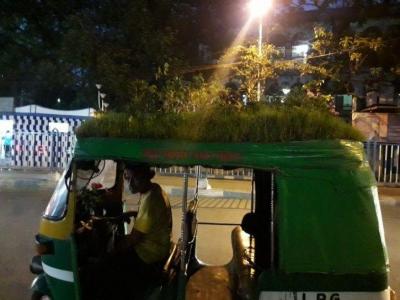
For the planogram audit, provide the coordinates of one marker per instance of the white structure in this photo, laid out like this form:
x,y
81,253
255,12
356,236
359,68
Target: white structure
x,y
37,109
41,137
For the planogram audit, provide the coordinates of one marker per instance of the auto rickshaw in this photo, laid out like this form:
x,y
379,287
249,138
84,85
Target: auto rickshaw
x,y
314,230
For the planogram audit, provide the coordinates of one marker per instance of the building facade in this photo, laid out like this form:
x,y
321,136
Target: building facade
x,y
39,140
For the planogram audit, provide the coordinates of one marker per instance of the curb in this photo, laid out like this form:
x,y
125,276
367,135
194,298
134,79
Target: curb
x,y
24,181
31,169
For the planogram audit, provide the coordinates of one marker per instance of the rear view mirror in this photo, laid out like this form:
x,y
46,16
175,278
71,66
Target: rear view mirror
x,y
249,223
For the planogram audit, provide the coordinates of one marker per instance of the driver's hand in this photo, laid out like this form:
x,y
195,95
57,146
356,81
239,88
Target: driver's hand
x,y
85,226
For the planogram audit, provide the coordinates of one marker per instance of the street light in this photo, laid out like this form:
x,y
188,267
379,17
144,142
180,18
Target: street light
x,y
258,8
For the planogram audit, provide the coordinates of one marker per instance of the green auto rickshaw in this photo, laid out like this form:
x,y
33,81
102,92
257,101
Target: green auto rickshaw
x,y
313,231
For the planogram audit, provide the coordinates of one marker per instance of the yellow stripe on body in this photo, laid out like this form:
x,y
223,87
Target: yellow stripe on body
x,y
60,229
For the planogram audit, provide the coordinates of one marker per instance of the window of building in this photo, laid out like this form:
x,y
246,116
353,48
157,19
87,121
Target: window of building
x,y
300,50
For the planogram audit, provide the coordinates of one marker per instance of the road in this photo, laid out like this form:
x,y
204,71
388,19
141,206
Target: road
x,y
391,221
22,199
23,196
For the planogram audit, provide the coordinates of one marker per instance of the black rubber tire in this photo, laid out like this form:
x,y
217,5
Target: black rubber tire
x,y
37,295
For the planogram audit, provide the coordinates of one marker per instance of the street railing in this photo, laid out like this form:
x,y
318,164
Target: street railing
x,y
245,174
384,161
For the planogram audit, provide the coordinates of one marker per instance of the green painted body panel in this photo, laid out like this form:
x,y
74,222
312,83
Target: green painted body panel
x,y
328,223
329,227
62,259
61,290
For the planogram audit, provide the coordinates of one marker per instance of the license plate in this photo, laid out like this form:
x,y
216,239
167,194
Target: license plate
x,y
383,295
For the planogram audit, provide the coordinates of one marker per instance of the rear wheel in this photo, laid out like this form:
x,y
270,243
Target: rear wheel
x,y
36,295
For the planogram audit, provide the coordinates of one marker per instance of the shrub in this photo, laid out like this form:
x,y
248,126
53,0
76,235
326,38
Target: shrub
x,y
217,123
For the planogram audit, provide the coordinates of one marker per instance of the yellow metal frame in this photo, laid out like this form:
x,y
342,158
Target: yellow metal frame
x,y
62,229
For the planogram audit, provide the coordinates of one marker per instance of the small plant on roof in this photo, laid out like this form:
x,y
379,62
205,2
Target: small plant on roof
x,y
256,123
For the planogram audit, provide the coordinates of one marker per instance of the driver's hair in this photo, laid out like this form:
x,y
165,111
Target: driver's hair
x,y
142,171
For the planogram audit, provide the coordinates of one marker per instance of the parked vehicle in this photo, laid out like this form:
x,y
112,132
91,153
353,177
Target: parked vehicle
x,y
314,231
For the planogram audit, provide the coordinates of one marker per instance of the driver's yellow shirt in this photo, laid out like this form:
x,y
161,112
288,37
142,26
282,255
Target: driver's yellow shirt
x,y
154,219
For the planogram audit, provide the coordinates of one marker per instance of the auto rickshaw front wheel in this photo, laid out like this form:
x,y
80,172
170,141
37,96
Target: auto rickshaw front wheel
x,y
36,295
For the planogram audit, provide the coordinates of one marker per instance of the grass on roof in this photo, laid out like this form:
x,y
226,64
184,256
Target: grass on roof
x,y
261,124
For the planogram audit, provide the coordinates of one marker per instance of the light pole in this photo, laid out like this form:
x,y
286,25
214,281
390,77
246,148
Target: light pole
x,y
98,86
258,8
102,96
259,54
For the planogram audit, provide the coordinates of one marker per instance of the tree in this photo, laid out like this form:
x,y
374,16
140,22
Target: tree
x,y
342,59
176,95
249,67
61,49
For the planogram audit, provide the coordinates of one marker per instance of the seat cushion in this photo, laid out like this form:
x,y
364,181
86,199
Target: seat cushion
x,y
209,283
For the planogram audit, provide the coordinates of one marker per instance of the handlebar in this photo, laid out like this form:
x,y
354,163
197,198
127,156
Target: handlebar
x,y
124,217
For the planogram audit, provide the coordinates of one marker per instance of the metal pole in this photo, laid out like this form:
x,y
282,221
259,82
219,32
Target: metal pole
x,y
398,164
391,163
98,99
385,164
259,54
374,158
272,227
183,225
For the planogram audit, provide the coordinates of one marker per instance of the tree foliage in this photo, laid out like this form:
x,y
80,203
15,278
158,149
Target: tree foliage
x,y
175,95
343,59
61,49
249,67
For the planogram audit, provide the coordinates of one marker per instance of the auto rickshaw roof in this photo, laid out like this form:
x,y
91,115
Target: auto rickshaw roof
x,y
303,154
223,137
329,219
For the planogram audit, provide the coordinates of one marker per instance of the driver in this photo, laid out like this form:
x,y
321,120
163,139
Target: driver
x,y
145,248
150,238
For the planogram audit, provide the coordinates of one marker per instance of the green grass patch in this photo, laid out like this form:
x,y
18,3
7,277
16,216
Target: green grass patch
x,y
258,124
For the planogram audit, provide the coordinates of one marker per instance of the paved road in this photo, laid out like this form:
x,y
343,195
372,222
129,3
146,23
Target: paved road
x,y
23,197
391,220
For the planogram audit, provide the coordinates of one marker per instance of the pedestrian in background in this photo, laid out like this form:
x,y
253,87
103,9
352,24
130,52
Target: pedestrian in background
x,y
7,143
